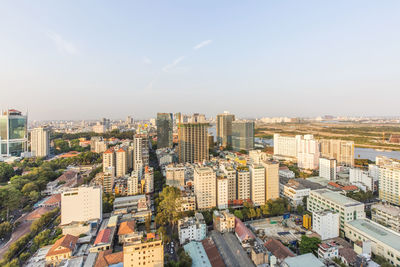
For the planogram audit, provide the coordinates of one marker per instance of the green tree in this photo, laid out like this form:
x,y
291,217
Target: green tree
x,y
309,244
238,214
300,209
28,188
6,172
5,229
169,203
252,213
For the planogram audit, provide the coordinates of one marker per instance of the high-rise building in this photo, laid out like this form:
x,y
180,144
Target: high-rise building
x,y
326,223
175,175
271,179
108,180
149,179
285,146
205,187
109,160
341,150
257,184
13,133
230,174
164,130
81,204
133,183
389,183
40,142
141,152
193,142
327,168
243,183
121,162
222,193
98,144
243,135
307,152
224,129
148,252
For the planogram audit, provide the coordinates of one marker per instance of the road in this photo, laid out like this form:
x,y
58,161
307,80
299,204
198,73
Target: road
x,y
21,230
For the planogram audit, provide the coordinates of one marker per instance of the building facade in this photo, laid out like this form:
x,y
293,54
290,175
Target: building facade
x,y
341,150
13,133
242,135
40,142
327,168
205,187
146,253
389,183
193,142
192,228
222,192
386,215
326,223
307,152
224,129
164,130
257,184
175,175
271,179
243,183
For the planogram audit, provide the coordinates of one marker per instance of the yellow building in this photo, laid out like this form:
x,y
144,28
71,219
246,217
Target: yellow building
x,y
62,249
147,253
307,221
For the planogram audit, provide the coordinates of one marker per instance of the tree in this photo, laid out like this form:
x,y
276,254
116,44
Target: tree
x,y
108,201
252,213
169,203
5,229
238,214
6,172
28,188
300,209
308,244
258,211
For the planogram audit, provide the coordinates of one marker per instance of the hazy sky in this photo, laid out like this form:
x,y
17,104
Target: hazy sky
x,y
92,59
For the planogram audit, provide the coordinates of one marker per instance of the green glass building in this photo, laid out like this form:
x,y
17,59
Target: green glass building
x,y
242,135
13,133
164,130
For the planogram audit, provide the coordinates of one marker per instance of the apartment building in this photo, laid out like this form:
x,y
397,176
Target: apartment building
x,y
295,192
164,130
192,228
121,162
148,252
327,168
242,135
230,173
389,183
386,215
205,187
223,221
257,184
271,179
307,152
224,129
285,147
98,144
341,150
175,175
193,142
149,179
40,142
81,204
362,179
243,183
109,160
326,223
325,199
222,192
133,184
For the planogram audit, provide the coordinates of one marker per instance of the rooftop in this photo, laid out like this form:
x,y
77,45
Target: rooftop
x,y
305,260
336,197
392,210
378,232
63,245
198,254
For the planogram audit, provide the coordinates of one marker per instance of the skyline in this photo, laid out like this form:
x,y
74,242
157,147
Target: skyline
x,y
259,59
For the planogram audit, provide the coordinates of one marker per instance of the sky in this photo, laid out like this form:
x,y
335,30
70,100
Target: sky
x,y
93,59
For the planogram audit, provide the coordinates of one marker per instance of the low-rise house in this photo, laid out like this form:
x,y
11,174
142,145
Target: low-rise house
x,y
126,229
53,201
305,260
277,249
328,250
348,256
244,234
259,254
104,240
223,221
192,228
198,254
63,249
107,258
294,191
212,253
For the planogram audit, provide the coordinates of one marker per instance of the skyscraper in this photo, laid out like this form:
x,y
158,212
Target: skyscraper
x,y
224,129
141,152
40,142
242,135
193,142
164,130
13,133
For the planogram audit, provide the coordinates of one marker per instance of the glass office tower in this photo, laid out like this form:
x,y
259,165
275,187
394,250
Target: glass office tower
x,y
242,135
13,133
164,130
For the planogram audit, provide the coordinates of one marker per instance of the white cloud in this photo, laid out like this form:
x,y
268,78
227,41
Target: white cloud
x,y
202,44
62,44
173,64
147,61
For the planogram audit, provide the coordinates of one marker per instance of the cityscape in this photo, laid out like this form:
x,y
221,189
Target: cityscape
x,y
199,133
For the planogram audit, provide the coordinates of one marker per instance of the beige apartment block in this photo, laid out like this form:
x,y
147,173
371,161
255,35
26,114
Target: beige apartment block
x,y
205,183
144,253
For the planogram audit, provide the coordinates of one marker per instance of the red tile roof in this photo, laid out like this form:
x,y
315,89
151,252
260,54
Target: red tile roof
x,y
53,200
334,184
103,236
212,253
109,151
68,175
349,188
278,249
37,213
126,228
242,231
121,150
63,245
107,258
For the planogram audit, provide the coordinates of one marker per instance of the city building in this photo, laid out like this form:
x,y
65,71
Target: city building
x,y
307,152
109,160
242,135
40,142
121,162
257,184
256,156
175,175
133,183
327,168
164,130
205,187
108,181
305,260
386,215
192,228
285,147
389,183
224,129
271,179
149,179
198,254
325,199
193,142
341,150
13,133
384,242
63,249
141,152
328,250
148,252
326,223
81,204
98,144
243,183
295,192
230,173
222,193
223,221
362,179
